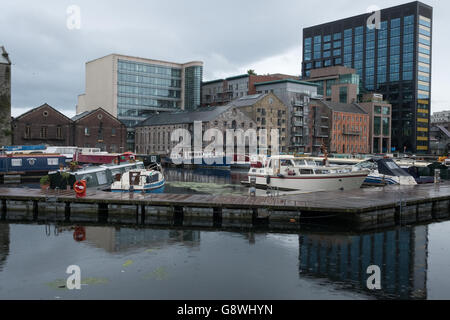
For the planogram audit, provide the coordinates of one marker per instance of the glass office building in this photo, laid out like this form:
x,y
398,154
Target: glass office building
x,y
392,58
133,89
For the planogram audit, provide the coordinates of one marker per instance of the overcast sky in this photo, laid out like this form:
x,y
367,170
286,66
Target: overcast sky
x,y
230,37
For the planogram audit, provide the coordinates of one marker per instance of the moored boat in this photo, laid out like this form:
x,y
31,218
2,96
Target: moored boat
x,y
288,173
383,172
139,180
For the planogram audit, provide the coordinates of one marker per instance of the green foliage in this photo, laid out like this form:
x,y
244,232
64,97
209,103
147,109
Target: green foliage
x,y
45,180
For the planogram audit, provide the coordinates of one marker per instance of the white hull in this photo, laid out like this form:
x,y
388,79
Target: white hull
x,y
312,183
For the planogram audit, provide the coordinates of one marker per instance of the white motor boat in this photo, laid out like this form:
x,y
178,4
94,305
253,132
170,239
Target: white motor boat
x,y
385,172
288,173
140,180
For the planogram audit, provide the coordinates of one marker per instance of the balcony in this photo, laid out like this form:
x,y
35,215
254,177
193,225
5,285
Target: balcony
x,y
298,113
352,132
297,123
298,103
297,134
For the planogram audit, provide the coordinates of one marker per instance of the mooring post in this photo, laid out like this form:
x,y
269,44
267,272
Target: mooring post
x,y
255,216
67,212
434,210
4,208
143,214
217,217
102,212
178,216
137,214
35,210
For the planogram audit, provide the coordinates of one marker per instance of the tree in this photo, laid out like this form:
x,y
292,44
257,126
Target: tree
x,y
251,72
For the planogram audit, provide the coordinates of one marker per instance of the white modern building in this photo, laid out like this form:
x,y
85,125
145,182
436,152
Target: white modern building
x,y
132,88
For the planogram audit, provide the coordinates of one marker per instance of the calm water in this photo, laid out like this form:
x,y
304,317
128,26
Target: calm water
x,y
125,263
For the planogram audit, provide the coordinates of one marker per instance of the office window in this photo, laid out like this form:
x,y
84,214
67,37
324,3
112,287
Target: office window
x,y
343,94
337,36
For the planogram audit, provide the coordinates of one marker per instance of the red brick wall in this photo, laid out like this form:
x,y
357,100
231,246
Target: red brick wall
x,y
343,143
44,116
103,138
264,78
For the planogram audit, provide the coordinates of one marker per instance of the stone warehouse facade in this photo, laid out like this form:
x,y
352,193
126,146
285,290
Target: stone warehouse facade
x,y
46,125
269,113
5,98
153,136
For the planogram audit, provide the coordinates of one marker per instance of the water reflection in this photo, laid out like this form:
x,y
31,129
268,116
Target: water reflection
x,y
205,181
115,240
401,254
4,244
270,266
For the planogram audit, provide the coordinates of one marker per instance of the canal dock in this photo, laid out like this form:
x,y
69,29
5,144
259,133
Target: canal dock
x,y
362,209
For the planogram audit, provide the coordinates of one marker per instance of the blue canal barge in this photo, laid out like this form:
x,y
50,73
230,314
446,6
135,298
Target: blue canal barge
x,y
30,164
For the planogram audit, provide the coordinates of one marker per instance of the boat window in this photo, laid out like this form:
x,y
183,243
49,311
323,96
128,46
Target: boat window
x,y
134,178
299,163
310,162
254,170
322,171
306,171
153,178
101,177
16,162
286,163
52,161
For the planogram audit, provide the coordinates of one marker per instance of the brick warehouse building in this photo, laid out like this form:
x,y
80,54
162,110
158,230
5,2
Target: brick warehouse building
x,y
42,125
342,128
222,91
46,125
99,129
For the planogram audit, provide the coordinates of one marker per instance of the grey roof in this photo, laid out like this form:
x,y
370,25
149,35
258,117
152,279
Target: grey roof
x,y
445,131
247,100
166,118
81,115
4,58
344,107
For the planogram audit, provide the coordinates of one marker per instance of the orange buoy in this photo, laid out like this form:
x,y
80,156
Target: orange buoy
x,y
80,188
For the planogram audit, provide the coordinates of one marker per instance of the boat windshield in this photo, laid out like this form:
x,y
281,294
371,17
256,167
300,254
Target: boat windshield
x,y
367,165
304,162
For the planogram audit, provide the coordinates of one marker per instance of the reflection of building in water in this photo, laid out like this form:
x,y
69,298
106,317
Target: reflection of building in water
x,y
4,243
400,254
204,176
117,240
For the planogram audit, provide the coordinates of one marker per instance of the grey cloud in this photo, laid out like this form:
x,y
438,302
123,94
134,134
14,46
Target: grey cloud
x,y
49,59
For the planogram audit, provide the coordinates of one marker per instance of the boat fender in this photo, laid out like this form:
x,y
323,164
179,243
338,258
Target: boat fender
x,y
268,179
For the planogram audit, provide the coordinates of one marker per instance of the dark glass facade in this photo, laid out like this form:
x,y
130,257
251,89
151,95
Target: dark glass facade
x,y
392,58
193,77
